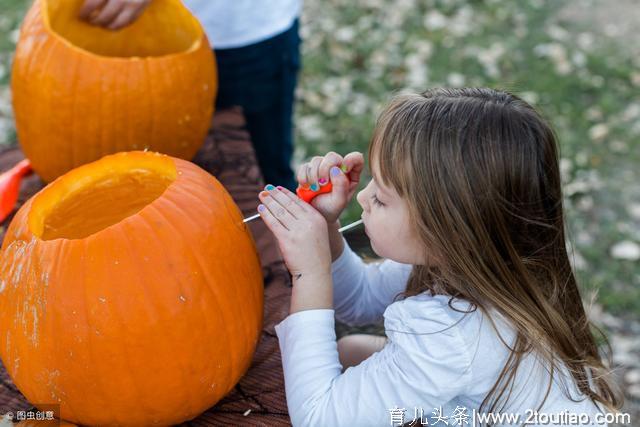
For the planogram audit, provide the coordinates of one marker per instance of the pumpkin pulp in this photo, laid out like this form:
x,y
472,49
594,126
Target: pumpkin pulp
x,y
100,194
164,28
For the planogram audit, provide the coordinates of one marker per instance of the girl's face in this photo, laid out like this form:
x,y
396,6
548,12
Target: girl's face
x,y
386,220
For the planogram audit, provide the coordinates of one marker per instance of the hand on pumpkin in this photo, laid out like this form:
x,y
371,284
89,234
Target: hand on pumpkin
x,y
321,169
112,14
301,232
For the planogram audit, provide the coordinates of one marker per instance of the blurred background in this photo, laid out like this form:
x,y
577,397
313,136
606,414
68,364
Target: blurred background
x,y
576,61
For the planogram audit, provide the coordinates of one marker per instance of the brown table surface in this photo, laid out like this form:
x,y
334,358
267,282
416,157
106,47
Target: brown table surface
x,y
227,154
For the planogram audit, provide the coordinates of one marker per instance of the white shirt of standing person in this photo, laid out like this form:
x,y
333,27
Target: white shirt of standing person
x,y
439,364
238,23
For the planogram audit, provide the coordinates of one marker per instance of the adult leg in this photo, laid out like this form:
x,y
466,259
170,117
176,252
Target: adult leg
x,y
271,128
261,78
271,134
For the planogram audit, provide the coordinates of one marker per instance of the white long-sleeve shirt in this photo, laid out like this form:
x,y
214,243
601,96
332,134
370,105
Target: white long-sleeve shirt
x,y
238,23
436,359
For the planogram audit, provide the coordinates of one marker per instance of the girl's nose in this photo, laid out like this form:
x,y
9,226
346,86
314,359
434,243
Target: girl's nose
x,y
360,197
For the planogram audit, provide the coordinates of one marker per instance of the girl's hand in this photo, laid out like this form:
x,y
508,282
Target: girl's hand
x,y
112,14
321,170
300,229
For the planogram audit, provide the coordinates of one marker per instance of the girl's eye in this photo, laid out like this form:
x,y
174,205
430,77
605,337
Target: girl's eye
x,y
376,201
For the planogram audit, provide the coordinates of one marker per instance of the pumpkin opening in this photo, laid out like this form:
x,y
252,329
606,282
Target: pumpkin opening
x,y
165,27
100,194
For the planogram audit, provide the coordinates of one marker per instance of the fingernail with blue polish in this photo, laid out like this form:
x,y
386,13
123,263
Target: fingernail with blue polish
x,y
335,171
269,187
314,187
260,208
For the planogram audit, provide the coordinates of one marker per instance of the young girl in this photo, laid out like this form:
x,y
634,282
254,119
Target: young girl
x,y
465,205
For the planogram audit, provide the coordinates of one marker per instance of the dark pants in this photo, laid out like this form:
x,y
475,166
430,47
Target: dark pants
x,y
261,78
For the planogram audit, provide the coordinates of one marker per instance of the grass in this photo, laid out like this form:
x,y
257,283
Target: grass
x,y
10,17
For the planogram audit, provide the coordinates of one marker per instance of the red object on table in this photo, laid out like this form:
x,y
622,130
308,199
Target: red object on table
x,y
10,187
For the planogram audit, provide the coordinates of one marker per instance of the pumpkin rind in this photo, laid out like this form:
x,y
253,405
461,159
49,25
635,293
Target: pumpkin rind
x,y
149,321
73,106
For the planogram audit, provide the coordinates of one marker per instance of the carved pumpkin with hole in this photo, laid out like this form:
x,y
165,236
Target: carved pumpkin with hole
x,y
80,91
131,292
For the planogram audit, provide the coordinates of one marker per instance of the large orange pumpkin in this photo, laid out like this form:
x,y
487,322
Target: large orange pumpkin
x,y
81,91
131,292
44,423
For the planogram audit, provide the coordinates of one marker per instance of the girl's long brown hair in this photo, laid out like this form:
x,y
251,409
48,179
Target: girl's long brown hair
x,y
479,171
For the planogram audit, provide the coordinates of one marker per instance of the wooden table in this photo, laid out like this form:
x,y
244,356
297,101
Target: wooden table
x,y
227,154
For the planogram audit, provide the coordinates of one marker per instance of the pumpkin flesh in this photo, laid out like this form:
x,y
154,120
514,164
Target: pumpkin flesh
x,y
163,29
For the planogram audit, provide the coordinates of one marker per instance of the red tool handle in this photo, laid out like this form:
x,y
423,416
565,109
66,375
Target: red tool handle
x,y
10,187
307,192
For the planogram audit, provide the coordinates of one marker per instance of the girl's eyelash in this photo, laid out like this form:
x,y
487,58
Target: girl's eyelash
x,y
376,200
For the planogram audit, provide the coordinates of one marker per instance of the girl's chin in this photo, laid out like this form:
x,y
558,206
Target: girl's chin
x,y
373,247
371,241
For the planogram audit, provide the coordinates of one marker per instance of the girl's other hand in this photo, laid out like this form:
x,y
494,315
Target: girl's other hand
x,y
323,169
301,231
112,14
